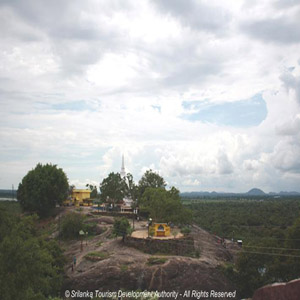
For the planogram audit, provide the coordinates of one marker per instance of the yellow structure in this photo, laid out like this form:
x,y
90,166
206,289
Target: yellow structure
x,y
81,197
160,229
68,202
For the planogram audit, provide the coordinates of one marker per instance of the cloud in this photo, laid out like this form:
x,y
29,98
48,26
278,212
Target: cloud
x,y
224,165
280,26
281,4
291,82
290,127
206,94
198,15
286,156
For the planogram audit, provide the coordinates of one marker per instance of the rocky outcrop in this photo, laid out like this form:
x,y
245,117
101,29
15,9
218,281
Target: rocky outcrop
x,y
279,291
129,269
178,274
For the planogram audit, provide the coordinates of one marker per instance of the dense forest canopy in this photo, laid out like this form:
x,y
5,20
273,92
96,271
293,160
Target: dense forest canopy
x,y
31,266
270,231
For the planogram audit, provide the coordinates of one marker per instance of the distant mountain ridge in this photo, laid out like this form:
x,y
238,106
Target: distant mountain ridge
x,y
255,192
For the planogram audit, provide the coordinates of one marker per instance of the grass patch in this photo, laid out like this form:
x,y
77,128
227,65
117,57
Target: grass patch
x,y
111,236
229,271
124,268
99,244
156,261
90,236
97,255
103,229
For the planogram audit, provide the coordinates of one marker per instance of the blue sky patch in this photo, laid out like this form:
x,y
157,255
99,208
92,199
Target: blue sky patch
x,y
156,107
242,113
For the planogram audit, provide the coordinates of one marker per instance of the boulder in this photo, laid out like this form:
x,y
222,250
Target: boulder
x,y
279,291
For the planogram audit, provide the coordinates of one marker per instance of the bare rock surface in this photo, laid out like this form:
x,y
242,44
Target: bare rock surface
x,y
279,291
128,268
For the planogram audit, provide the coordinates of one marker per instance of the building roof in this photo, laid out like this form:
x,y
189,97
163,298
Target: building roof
x,y
81,191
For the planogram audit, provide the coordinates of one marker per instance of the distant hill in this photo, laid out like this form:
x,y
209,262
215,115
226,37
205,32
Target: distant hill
x,y
256,192
289,193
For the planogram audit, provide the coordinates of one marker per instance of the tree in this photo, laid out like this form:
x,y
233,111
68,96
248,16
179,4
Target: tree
x,y
30,266
293,242
293,235
174,192
93,188
71,224
42,188
113,187
70,190
121,227
131,189
152,180
164,206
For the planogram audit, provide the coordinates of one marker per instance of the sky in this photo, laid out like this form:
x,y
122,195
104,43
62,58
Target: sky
x,y
206,93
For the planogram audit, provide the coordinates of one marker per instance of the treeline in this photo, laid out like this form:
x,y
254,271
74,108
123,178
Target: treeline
x,y
270,231
246,219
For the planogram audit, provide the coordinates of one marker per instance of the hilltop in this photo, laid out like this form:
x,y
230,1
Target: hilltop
x,y
118,266
256,192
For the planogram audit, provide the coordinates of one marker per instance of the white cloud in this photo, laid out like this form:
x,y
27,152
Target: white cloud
x,y
107,78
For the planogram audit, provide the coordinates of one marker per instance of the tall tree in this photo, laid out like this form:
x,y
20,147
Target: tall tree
x,y
113,188
151,179
164,206
42,188
131,189
93,188
70,189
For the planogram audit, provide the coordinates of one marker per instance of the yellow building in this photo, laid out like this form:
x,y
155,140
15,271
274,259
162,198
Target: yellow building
x,y
160,229
81,197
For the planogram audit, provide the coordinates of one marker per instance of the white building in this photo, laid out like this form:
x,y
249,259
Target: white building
x,y
127,202
123,172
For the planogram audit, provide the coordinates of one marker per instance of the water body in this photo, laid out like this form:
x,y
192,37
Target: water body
x,y
7,199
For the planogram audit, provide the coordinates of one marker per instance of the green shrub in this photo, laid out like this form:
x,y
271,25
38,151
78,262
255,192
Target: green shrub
x,y
151,231
124,268
156,261
97,255
90,228
185,230
70,226
121,227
